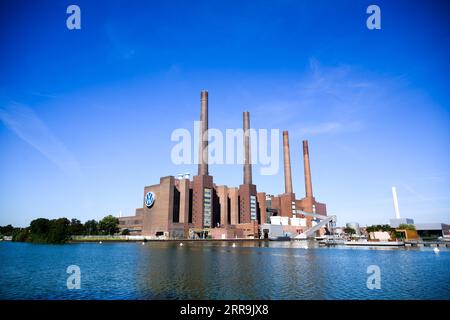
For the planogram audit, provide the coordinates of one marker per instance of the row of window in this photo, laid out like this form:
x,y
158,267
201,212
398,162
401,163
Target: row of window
x,y
129,222
207,195
252,207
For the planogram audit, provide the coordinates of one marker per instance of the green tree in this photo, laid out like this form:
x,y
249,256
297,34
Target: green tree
x,y
6,230
39,229
91,227
407,226
47,231
76,227
59,231
109,225
349,231
21,234
125,232
379,227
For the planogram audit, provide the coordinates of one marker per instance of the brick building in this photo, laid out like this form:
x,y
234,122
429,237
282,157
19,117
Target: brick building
x,y
199,208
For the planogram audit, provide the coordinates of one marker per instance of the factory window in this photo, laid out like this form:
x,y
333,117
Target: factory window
x,y
216,209
259,215
190,206
176,205
239,209
229,210
132,222
253,207
207,212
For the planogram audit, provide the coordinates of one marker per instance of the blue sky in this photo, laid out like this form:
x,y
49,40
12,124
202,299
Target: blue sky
x,y
86,115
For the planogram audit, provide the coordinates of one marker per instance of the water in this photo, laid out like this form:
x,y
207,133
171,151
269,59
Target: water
x,y
216,270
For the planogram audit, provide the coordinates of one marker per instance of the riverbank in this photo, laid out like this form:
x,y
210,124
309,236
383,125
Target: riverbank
x,y
79,239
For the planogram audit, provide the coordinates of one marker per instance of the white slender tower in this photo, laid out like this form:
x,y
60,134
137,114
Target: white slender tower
x,y
394,196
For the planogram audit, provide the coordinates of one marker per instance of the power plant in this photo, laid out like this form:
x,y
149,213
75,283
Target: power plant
x,y
181,208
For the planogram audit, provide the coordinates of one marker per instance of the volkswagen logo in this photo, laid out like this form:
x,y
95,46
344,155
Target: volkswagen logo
x,y
149,199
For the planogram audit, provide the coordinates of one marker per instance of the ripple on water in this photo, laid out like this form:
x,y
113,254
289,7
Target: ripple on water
x,y
216,270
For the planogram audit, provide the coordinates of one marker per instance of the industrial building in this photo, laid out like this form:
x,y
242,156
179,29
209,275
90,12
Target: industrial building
x,y
199,208
427,231
432,231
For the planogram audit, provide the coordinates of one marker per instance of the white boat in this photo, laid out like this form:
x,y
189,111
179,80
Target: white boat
x,y
280,238
332,242
300,236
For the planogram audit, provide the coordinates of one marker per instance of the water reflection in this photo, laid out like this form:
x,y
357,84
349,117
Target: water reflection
x,y
217,270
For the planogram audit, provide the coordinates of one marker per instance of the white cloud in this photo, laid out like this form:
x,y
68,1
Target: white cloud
x,y
24,122
328,100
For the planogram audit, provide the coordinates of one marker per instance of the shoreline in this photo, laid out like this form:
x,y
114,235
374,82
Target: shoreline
x,y
165,240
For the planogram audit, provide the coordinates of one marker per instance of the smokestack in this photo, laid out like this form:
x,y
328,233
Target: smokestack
x,y
394,196
308,182
247,165
203,141
287,163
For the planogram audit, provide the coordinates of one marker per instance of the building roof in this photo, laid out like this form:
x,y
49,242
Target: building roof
x,y
430,226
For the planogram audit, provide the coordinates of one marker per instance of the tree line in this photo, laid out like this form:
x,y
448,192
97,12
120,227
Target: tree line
x,y
60,230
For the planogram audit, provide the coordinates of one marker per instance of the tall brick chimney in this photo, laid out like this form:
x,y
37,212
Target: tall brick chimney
x,y
203,141
308,182
247,191
287,163
202,184
247,159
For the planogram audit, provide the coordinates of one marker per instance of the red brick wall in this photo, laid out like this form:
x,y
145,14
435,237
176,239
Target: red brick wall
x,y
159,216
245,191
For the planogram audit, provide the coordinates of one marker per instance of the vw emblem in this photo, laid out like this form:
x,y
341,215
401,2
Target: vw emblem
x,y
149,199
